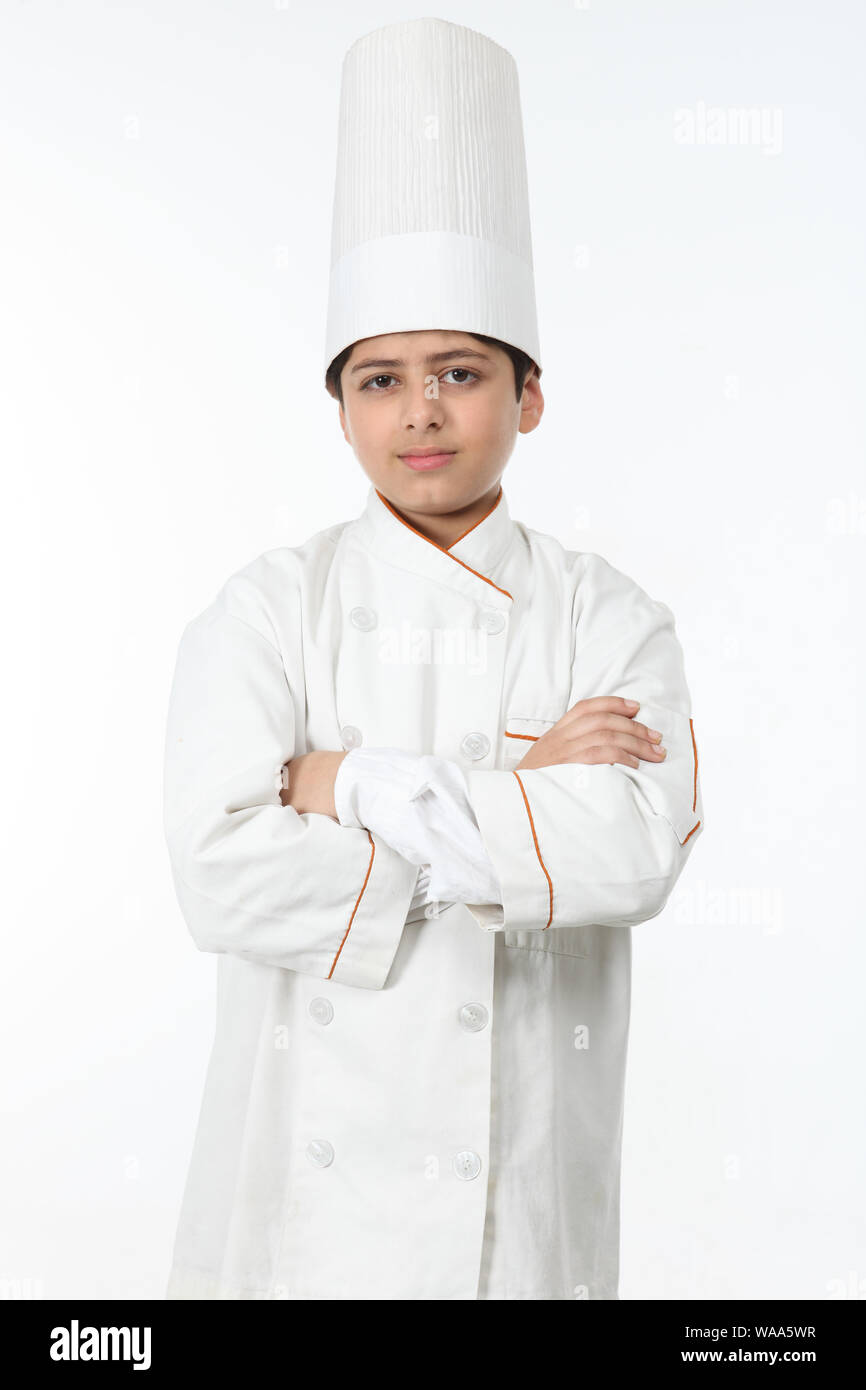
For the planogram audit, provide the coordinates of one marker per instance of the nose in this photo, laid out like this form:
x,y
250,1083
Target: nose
x,y
421,404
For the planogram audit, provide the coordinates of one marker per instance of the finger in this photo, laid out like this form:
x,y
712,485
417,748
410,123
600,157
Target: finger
x,y
615,723
606,753
603,704
630,743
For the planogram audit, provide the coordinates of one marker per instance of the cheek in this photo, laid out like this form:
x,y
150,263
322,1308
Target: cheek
x,y
486,425
363,421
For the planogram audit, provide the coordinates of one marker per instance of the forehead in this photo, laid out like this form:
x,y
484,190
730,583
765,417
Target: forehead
x,y
415,346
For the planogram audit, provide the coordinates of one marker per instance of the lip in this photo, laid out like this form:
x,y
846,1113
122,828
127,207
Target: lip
x,y
424,459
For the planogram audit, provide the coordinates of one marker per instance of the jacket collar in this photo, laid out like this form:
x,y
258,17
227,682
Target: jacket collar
x,y
471,564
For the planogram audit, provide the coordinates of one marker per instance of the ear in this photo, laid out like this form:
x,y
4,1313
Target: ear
x,y
531,404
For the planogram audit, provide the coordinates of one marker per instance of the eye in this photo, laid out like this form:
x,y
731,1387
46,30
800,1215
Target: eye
x,y
382,376
466,372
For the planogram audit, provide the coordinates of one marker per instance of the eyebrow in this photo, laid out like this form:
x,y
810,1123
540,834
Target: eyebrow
x,y
429,359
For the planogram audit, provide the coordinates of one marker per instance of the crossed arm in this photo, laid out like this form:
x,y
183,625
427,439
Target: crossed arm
x,y
598,730
420,805
593,827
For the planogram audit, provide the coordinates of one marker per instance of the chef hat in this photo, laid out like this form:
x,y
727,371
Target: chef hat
x,y
431,208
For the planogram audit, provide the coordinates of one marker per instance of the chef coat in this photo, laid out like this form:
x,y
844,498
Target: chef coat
x,y
425,1109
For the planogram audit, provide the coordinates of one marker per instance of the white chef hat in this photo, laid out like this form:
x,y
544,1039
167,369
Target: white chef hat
x,y
431,208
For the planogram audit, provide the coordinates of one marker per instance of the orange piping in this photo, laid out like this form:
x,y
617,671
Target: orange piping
x,y
444,551
533,738
691,832
478,522
695,746
538,852
355,908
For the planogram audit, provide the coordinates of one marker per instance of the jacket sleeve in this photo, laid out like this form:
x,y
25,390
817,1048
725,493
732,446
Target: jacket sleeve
x,y
603,844
253,877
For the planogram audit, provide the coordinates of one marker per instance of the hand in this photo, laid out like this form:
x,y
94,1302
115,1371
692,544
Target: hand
x,y
600,730
311,783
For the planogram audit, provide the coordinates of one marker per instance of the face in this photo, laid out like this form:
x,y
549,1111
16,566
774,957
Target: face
x,y
441,394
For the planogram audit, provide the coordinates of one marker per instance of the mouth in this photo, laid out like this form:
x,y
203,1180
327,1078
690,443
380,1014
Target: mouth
x,y
421,460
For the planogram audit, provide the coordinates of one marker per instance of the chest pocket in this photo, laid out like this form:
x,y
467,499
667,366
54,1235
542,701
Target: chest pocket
x,y
520,733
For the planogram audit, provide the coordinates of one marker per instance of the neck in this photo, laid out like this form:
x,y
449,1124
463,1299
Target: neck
x,y
444,528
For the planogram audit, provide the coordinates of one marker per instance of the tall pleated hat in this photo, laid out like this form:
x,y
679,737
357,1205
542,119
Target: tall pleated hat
x,y
431,223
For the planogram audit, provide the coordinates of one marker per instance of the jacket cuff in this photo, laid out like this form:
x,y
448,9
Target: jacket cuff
x,y
502,803
369,944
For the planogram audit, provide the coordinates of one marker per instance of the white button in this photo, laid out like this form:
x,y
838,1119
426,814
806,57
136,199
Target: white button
x,y
491,620
476,746
322,1010
321,1153
473,1017
431,910
467,1164
351,736
364,618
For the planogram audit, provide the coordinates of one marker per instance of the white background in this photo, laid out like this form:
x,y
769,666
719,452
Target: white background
x,y
166,180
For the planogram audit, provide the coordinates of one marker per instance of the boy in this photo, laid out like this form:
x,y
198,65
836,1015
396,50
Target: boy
x,y
409,801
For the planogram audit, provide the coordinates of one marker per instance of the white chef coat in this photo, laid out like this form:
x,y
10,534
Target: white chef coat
x,y
425,1109
419,806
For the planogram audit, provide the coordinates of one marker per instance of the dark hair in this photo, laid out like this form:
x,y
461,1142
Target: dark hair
x,y
520,361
